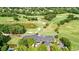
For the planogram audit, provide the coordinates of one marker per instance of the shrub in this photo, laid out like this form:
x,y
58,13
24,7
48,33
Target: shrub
x,y
13,29
23,42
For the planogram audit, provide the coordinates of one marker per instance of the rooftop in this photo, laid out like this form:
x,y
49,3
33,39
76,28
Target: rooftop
x,y
40,38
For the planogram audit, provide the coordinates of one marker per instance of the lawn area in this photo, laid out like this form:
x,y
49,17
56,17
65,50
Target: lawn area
x,y
59,17
31,26
53,24
6,19
49,30
14,39
71,31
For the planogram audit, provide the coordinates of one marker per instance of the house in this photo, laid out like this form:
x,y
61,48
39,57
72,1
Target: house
x,y
41,38
45,39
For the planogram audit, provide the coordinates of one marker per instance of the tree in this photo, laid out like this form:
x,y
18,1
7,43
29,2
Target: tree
x,y
49,17
3,42
46,25
42,47
30,41
13,29
32,48
70,17
21,48
4,39
57,30
23,42
4,48
65,49
55,47
33,18
27,42
16,18
66,42
62,22
5,28
17,29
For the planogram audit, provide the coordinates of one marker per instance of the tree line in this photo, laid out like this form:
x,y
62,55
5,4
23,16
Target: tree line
x,y
3,42
11,11
68,19
12,29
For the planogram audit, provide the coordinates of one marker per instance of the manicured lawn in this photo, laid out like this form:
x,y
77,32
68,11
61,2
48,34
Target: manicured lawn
x,y
53,24
71,31
59,17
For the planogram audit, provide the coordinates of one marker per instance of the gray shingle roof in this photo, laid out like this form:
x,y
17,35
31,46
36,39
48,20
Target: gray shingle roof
x,y
40,38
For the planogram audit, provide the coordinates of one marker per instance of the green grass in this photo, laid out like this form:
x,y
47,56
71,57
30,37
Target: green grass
x,y
6,19
59,17
14,39
71,31
53,24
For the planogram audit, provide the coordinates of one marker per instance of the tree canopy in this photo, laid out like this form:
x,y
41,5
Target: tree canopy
x,y
12,29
